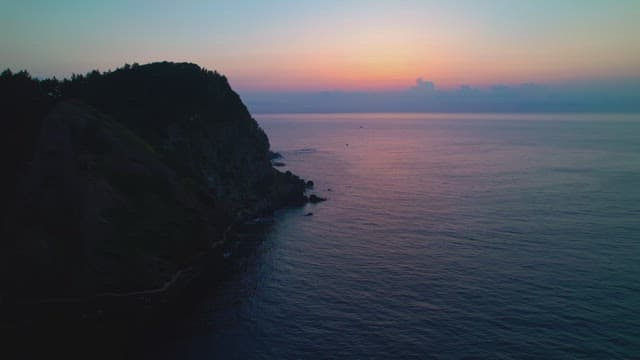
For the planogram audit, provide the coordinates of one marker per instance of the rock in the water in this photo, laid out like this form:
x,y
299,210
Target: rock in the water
x,y
313,198
274,155
278,164
308,214
309,184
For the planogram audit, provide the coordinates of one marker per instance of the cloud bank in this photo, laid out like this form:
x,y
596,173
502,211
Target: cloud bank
x,y
620,95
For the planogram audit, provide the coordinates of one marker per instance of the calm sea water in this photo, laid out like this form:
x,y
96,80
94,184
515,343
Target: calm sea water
x,y
445,236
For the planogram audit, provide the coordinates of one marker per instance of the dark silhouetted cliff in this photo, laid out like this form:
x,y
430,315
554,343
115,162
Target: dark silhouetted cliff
x,y
119,182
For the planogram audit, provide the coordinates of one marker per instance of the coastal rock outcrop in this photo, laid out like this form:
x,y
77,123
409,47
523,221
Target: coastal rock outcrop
x,y
314,199
128,177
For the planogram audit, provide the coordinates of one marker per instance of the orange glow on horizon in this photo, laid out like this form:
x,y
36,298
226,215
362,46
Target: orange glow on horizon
x,y
371,72
382,53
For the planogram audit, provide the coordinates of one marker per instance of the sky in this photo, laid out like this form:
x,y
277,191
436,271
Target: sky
x,y
270,50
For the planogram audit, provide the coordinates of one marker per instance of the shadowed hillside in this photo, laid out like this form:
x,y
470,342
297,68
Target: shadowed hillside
x,y
122,181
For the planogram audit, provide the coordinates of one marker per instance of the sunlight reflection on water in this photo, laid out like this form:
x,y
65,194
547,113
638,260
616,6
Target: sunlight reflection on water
x,y
446,236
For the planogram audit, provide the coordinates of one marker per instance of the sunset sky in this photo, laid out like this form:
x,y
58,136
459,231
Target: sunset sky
x,y
332,45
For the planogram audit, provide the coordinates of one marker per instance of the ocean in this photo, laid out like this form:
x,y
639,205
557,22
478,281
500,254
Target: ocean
x,y
444,236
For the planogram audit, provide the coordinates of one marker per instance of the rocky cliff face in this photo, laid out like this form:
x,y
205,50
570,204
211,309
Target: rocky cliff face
x,y
132,175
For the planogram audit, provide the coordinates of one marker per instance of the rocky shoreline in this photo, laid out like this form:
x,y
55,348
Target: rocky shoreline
x,y
119,323
128,192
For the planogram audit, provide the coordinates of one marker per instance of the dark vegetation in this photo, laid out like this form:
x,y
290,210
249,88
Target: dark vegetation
x,y
118,181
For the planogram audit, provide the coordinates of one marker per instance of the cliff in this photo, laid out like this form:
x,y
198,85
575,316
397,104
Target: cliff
x,y
119,181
